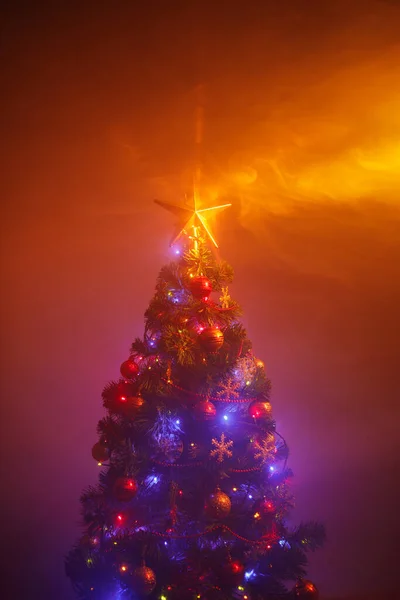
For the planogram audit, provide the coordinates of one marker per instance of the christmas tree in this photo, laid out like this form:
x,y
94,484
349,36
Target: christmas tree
x,y
193,492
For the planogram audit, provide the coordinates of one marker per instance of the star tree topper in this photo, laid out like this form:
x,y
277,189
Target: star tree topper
x,y
191,218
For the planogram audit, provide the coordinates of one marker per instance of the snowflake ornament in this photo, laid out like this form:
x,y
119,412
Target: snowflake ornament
x,y
229,389
222,448
265,449
225,298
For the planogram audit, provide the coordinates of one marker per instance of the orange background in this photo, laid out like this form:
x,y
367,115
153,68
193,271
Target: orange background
x,y
300,130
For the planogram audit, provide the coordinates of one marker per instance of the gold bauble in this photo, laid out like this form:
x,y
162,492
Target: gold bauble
x,y
218,505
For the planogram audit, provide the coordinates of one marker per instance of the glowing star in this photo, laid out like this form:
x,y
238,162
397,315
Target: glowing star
x,y
222,448
191,218
265,450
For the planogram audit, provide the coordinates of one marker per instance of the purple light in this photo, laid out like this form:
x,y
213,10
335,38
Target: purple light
x,y
225,417
272,469
250,497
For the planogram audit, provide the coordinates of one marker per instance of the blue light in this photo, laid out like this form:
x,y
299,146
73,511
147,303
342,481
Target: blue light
x,y
152,480
249,574
272,469
225,417
178,422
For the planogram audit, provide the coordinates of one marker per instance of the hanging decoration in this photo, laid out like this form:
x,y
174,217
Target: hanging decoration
x,y
211,339
229,389
100,452
264,448
218,505
225,298
261,411
129,369
205,410
200,287
222,448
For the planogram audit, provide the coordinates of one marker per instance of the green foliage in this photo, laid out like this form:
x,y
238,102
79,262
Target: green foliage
x,y
164,443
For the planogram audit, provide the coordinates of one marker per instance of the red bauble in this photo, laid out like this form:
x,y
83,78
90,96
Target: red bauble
x,y
205,410
100,452
305,590
200,287
211,339
261,410
143,580
129,369
125,488
218,505
130,405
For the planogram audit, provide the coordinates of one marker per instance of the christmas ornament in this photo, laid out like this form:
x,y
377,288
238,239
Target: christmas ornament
x,y
225,298
191,216
125,489
131,405
205,410
218,505
222,448
211,339
264,448
143,580
200,287
260,410
229,389
100,452
246,369
305,590
129,369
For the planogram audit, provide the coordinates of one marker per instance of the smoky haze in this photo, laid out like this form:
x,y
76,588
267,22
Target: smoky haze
x,y
291,111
